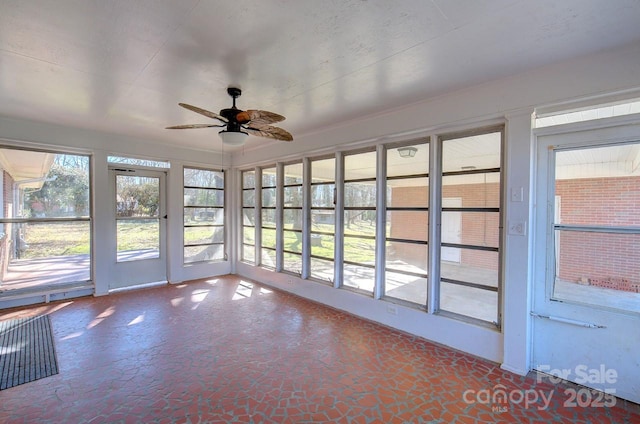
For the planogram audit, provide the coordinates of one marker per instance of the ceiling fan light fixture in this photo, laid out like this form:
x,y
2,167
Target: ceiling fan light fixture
x,y
407,152
233,138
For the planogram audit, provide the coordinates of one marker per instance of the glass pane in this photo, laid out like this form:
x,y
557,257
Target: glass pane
x,y
292,196
248,235
269,238
322,269
361,223
269,197
408,257
249,254
408,160
248,198
269,218
268,258
293,174
598,186
322,196
137,196
472,228
139,162
407,193
202,235
475,190
598,268
480,151
408,225
292,263
359,250
323,170
322,245
293,241
58,188
203,178
323,221
362,165
203,216
469,301
406,287
203,197
203,253
248,217
360,195
248,179
44,185
597,112
62,249
137,239
292,219
359,277
269,177
473,266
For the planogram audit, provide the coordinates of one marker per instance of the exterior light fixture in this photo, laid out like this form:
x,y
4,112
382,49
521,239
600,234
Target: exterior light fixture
x,y
407,152
233,138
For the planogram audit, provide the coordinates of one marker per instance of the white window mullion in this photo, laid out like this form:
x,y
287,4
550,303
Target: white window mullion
x,y
339,223
279,217
381,221
435,206
306,218
258,217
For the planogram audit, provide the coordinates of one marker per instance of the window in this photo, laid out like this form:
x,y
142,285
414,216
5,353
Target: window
x,y
292,218
470,224
359,221
203,215
248,253
138,219
597,226
407,220
138,162
323,213
45,222
335,236
588,114
268,212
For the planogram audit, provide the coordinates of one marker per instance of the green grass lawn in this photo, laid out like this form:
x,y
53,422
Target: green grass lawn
x,y
71,238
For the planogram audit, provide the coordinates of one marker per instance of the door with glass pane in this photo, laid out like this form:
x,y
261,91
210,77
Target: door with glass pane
x,y
139,248
586,311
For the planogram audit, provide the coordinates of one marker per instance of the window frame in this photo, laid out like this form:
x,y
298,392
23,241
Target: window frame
x,y
215,208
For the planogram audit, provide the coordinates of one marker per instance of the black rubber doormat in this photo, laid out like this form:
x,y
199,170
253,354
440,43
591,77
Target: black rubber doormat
x,y
27,352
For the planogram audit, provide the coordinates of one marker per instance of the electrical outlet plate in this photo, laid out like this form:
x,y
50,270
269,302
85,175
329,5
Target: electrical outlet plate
x,y
518,228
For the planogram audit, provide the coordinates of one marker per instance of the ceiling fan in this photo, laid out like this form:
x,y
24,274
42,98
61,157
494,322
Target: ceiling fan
x,y
239,123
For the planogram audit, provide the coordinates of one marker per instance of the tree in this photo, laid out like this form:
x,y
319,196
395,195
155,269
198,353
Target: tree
x,y
65,192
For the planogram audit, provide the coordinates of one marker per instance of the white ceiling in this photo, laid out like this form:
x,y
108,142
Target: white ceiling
x,y
121,66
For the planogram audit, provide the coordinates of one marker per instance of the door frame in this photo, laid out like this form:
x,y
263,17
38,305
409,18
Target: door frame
x,y
560,328
125,274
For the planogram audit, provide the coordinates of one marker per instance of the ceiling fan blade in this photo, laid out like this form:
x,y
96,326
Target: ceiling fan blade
x,y
206,113
270,132
188,126
258,118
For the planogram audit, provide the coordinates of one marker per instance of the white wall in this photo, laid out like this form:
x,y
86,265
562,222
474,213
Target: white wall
x,y
513,100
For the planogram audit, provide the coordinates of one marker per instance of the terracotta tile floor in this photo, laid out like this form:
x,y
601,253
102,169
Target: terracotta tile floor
x,y
226,350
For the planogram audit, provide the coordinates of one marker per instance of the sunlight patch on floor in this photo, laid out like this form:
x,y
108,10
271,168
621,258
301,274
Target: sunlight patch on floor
x,y
97,320
137,320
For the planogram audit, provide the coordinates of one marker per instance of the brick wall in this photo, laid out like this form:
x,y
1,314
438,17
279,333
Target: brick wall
x,y
480,229
601,259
